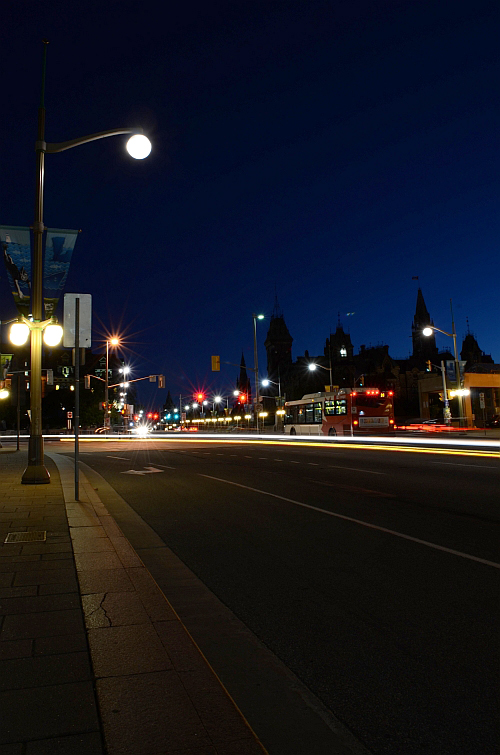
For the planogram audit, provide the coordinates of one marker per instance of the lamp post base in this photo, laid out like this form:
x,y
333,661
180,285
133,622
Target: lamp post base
x,y
35,473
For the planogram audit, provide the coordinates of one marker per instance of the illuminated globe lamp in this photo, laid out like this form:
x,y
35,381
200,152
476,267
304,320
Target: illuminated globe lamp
x,y
138,146
19,333
52,335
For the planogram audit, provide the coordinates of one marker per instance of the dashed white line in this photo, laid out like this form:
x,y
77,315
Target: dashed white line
x,y
118,457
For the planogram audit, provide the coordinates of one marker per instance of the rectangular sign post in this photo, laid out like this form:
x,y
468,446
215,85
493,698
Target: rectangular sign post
x,y
77,334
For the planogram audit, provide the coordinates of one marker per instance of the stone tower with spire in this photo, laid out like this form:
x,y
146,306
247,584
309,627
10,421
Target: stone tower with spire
x,y
278,345
424,347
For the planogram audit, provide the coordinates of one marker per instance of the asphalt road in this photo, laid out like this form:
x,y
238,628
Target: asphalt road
x,y
373,575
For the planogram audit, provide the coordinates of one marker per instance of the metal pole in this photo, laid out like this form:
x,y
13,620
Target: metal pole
x,y
77,394
35,472
106,424
447,415
457,369
256,367
18,409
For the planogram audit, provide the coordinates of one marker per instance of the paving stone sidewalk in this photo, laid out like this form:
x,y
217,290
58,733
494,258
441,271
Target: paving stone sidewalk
x,y
92,657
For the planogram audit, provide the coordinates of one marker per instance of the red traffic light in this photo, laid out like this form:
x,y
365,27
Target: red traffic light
x,y
150,415
242,398
199,397
155,415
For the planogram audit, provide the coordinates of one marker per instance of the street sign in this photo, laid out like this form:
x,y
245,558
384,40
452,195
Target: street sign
x,y
69,317
259,407
69,415
482,404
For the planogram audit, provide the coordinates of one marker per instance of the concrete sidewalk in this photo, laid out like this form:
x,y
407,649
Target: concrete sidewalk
x,y
93,659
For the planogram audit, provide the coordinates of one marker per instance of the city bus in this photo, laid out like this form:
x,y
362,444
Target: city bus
x,y
343,412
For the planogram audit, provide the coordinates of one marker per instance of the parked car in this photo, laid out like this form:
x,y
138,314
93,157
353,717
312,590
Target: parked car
x,y
494,421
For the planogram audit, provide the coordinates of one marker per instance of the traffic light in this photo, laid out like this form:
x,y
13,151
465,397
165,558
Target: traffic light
x,y
156,415
200,397
429,366
87,381
161,381
216,364
242,398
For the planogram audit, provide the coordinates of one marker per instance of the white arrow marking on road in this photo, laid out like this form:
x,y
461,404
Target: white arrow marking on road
x,y
146,470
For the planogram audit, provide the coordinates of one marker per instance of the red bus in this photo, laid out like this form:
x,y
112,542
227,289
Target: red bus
x,y
344,412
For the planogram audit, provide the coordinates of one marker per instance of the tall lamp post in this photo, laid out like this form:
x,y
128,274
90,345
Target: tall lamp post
x,y
139,147
428,331
107,418
256,366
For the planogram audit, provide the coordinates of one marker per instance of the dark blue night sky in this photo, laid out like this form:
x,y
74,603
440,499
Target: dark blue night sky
x,y
328,151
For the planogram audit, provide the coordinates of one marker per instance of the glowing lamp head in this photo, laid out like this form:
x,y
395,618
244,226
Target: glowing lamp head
x,y
52,335
217,399
138,146
312,367
114,341
4,393
427,331
265,382
19,333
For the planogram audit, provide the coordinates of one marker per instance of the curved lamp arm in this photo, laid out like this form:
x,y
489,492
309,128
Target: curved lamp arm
x,y
433,327
51,148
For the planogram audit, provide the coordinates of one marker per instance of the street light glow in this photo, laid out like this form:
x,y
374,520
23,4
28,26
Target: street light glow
x,y
19,333
52,335
138,146
427,331
312,366
265,382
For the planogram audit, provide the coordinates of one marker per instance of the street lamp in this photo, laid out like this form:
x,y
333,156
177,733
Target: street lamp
x,y
428,331
312,366
107,418
36,473
256,366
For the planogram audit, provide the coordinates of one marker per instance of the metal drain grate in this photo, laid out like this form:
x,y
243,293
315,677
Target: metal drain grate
x,y
25,537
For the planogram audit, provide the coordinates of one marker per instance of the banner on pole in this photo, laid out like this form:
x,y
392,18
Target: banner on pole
x,y
16,252
59,245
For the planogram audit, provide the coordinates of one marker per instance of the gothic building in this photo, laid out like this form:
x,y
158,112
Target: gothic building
x,y
339,366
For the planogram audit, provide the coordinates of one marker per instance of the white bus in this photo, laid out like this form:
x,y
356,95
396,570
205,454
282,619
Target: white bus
x,y
343,412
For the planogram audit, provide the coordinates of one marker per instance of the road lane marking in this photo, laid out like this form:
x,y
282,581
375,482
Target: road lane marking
x,y
353,488
164,466
359,521
146,470
456,464
118,457
354,469
277,459
313,463
295,462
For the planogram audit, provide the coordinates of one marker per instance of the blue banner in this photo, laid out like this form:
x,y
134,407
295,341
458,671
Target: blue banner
x,y
16,253
59,247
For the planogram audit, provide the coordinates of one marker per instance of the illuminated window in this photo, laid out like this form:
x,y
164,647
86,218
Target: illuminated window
x,y
343,351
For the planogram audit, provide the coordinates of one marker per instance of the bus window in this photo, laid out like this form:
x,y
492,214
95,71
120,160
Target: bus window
x,y
309,414
301,415
318,414
341,406
329,408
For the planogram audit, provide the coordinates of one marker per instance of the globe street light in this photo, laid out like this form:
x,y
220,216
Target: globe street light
x,y
256,367
312,366
36,471
428,331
